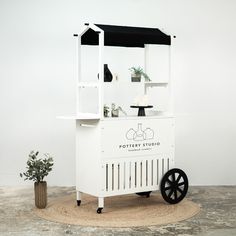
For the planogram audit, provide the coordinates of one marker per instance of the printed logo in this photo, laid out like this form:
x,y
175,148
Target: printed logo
x,y
140,134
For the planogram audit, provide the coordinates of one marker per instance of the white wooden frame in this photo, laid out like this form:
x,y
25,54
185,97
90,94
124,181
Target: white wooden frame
x,y
103,177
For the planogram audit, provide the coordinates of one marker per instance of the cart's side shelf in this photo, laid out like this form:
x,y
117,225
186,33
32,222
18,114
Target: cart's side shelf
x,y
81,116
122,176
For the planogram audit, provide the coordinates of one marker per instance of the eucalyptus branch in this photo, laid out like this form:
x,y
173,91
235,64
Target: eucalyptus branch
x,y
37,168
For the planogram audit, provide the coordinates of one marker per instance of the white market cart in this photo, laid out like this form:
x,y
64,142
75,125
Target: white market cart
x,y
129,154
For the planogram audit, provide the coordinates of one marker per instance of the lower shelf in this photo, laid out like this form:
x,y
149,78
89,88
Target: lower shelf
x,y
93,116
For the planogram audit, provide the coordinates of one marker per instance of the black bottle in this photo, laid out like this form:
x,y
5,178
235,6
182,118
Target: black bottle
x,y
107,74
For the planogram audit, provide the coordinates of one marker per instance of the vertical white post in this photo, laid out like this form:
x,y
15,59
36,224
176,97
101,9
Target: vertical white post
x,y
78,196
115,179
79,59
122,175
77,156
127,175
78,78
138,173
170,88
101,73
78,65
100,202
146,50
155,172
144,173
159,161
78,70
110,179
149,175
132,175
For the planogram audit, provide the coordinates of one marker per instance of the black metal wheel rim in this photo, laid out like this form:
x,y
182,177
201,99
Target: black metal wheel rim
x,y
174,186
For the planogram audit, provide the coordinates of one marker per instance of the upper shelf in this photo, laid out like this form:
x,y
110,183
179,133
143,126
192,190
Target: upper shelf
x,y
96,84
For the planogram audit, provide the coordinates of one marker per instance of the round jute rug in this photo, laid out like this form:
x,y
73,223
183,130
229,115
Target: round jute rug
x,y
120,211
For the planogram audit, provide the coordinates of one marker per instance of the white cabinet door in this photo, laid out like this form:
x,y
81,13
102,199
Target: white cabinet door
x,y
138,137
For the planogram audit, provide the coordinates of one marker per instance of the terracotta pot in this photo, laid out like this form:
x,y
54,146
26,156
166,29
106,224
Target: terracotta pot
x,y
40,194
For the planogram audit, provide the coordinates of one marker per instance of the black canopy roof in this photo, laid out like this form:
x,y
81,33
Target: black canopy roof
x,y
126,36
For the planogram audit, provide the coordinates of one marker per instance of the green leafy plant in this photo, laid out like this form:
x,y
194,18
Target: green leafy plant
x,y
37,168
106,110
115,110
138,71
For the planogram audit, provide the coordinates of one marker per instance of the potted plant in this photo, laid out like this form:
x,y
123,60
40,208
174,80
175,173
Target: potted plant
x,y
115,110
36,169
106,111
137,73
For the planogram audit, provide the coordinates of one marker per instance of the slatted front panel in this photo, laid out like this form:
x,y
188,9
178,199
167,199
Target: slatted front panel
x,y
122,176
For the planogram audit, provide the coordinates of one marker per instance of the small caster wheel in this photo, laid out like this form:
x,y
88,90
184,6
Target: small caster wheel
x,y
99,210
174,186
146,194
78,202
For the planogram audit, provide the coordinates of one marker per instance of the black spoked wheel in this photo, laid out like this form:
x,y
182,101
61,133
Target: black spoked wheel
x,y
174,186
144,194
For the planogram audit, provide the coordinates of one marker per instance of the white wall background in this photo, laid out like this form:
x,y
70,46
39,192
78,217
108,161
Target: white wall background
x,y
37,79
